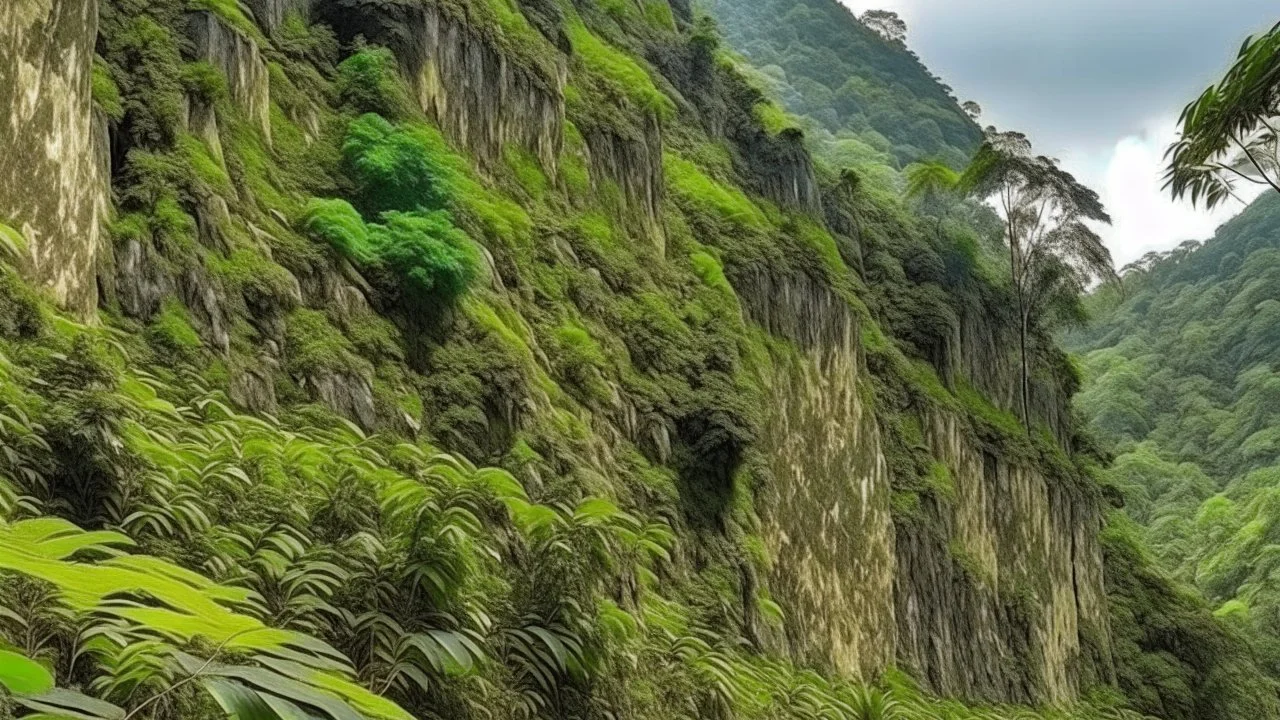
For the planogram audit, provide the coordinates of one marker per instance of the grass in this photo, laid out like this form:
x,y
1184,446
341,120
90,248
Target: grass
x,y
726,203
626,76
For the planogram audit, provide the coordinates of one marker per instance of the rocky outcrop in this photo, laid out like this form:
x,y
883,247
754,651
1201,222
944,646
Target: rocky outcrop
x,y
480,96
999,587
347,394
271,14
55,168
991,590
826,510
783,171
240,62
634,166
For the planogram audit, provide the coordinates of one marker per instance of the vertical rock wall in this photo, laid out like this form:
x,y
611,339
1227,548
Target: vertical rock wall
x,y
480,98
634,165
999,588
53,166
826,512
240,62
993,592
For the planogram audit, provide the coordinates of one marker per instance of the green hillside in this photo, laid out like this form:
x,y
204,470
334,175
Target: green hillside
x,y
863,94
1180,379
517,360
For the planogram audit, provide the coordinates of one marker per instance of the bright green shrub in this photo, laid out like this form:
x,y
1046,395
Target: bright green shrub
x,y
427,251
392,166
426,254
340,226
370,82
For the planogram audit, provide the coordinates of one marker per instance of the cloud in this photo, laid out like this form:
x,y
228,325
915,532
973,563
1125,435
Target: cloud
x,y
1145,217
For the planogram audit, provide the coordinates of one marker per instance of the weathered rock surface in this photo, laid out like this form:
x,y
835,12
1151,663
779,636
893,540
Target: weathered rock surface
x,y
271,14
634,165
994,593
481,98
239,60
55,167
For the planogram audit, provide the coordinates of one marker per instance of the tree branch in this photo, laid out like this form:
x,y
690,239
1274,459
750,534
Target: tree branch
x,y
1254,161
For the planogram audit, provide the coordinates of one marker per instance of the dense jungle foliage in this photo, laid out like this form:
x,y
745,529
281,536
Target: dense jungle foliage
x,y
1180,381
386,414
865,97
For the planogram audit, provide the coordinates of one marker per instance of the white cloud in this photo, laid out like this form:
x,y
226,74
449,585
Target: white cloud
x,y
1145,217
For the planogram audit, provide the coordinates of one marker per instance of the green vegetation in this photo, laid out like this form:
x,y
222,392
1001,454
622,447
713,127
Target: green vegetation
x,y
855,87
1227,135
385,418
1180,385
1054,255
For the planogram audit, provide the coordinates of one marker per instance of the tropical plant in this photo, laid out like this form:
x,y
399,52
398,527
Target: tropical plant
x,y
1054,255
1228,135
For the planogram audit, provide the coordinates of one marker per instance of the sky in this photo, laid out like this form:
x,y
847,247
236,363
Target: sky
x,y
1098,84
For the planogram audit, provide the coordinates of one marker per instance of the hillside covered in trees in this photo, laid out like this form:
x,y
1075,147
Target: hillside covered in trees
x,y
515,359
1180,380
865,93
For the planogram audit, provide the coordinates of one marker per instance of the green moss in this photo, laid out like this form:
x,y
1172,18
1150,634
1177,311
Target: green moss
x,y
232,13
821,242
204,82
262,283
618,69
695,189
527,171
940,482
772,118
573,164
658,14
171,332
106,94
711,272
314,345
981,409
924,378
205,166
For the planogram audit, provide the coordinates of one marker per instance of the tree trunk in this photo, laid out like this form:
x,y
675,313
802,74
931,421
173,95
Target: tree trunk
x,y
1026,376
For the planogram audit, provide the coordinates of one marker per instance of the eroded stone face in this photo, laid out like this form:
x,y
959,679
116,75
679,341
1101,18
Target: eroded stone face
x,y
826,515
53,177
993,593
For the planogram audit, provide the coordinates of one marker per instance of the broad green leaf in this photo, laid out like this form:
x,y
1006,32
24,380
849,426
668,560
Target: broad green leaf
x,y
23,676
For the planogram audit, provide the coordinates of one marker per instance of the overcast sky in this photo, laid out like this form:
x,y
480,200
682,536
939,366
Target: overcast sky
x,y
1096,83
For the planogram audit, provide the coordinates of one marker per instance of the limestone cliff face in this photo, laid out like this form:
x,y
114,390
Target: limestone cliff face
x,y
826,512
991,592
480,97
54,169
999,592
241,63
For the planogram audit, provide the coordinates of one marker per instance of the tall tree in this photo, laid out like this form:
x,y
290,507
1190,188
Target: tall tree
x,y
887,24
1229,134
1053,253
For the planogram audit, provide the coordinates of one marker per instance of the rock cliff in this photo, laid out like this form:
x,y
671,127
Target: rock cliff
x,y
719,380
54,147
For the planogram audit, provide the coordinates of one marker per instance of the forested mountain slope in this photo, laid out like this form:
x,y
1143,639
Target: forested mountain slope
x,y
496,359
1181,378
864,94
